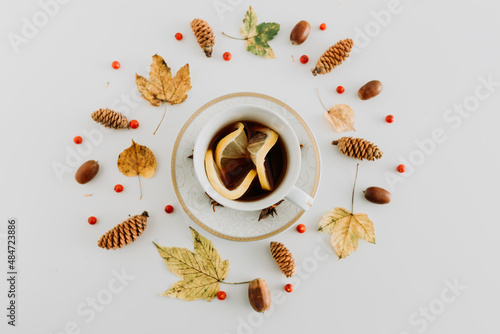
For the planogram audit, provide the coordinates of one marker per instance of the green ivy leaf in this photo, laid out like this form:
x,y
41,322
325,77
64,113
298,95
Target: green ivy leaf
x,y
257,36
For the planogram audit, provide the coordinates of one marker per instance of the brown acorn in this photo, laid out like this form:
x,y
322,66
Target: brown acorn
x,y
259,295
87,171
378,195
370,90
300,32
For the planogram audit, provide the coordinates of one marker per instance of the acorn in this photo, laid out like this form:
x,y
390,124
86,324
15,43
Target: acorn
x,y
370,90
259,295
300,32
377,195
87,171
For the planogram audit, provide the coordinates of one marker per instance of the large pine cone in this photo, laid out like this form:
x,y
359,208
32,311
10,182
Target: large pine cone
x,y
358,148
283,258
125,232
204,35
110,118
333,57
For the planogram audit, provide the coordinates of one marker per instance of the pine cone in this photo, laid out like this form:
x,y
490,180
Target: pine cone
x,y
125,232
358,148
283,258
204,35
110,118
333,57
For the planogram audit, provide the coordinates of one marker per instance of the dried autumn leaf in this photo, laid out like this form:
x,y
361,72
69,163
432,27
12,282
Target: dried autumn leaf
x,y
201,271
148,90
341,116
137,160
160,76
164,88
346,229
257,36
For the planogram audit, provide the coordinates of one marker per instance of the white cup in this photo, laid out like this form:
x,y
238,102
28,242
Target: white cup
x,y
286,189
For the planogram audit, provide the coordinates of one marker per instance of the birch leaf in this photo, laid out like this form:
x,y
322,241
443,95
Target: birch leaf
x,y
137,160
341,116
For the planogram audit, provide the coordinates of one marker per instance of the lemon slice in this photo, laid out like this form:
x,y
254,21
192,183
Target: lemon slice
x,y
258,147
232,146
215,180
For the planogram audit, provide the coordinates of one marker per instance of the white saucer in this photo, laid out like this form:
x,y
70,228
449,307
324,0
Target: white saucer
x,y
228,223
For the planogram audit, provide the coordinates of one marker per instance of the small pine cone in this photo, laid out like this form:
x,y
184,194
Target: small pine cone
x,y
333,57
283,258
204,35
110,118
125,232
358,148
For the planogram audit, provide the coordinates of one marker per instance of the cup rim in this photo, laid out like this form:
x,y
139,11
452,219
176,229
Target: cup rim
x,y
278,194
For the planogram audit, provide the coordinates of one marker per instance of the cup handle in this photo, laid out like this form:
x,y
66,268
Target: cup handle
x,y
299,198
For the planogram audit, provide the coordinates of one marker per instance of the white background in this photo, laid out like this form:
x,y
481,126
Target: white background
x,y
440,226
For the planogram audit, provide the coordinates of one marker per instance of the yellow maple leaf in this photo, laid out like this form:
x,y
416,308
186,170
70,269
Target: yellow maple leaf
x,y
346,229
201,271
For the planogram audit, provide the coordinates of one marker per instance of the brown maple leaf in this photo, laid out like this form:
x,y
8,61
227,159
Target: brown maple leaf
x,y
162,87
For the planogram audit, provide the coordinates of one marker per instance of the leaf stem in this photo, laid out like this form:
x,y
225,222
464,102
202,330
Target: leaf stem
x,y
319,97
164,112
240,39
247,282
353,188
140,185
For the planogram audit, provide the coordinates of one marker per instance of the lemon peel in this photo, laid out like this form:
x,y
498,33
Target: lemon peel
x,y
258,147
214,177
232,146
